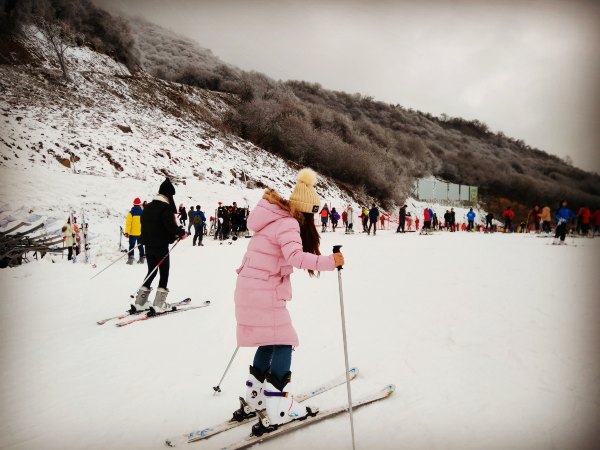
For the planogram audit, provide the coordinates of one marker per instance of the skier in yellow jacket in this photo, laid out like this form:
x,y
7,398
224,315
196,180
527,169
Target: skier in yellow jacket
x,y
133,230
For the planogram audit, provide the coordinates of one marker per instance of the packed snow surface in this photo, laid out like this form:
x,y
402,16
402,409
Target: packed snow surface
x,y
490,340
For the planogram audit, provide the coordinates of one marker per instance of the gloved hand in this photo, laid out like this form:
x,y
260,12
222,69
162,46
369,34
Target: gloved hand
x,y
339,259
126,235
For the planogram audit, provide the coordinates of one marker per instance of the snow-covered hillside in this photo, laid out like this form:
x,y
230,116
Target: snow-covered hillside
x,y
108,125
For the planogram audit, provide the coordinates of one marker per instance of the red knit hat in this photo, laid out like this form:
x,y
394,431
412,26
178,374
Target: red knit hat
x,y
137,201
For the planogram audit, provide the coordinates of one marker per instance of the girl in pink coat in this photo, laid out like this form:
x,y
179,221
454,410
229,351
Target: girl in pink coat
x,y
285,237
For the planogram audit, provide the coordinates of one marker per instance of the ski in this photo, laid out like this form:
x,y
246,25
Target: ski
x,y
198,435
129,313
321,415
166,313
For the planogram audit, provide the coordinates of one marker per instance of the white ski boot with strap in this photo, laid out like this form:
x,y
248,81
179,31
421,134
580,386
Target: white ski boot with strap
x,y
160,305
281,406
141,300
255,398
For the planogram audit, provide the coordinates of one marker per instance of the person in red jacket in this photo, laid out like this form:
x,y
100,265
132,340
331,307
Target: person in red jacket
x,y
508,215
584,217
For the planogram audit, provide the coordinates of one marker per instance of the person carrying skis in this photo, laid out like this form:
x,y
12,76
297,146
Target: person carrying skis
x,y
198,219
285,237
159,229
508,216
471,219
562,217
133,231
373,216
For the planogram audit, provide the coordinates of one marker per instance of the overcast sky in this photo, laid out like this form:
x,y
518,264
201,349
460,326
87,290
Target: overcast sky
x,y
528,68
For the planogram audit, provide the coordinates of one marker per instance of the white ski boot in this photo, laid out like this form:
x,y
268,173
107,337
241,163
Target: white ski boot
x,y
255,398
281,406
160,305
141,300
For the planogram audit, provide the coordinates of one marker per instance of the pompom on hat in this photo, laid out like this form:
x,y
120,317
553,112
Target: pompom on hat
x,y
305,198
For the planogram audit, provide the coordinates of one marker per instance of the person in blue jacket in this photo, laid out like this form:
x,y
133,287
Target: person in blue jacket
x,y
198,220
562,218
471,219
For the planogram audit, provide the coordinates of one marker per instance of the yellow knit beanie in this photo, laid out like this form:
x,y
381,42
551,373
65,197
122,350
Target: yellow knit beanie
x,y
305,198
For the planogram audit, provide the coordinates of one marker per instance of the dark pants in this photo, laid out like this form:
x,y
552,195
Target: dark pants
x,y
488,223
373,223
198,233
365,223
401,226
163,269
132,242
507,226
546,226
471,225
276,358
561,231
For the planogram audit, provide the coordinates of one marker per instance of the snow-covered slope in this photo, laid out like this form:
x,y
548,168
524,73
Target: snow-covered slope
x,y
109,125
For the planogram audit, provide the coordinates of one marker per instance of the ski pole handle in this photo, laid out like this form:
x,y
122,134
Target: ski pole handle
x,y
336,249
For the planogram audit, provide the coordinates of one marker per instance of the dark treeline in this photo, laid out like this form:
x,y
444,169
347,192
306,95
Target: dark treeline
x,y
368,146
96,28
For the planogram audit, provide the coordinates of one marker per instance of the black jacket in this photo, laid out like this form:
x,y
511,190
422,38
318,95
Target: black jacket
x,y
159,228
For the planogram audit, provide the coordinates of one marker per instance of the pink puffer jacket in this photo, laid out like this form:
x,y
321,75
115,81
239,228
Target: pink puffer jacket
x,y
263,283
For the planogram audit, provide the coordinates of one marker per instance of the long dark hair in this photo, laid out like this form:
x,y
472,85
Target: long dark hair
x,y
310,237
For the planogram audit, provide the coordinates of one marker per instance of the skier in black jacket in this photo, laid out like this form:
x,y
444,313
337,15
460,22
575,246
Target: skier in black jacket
x,y
159,229
402,220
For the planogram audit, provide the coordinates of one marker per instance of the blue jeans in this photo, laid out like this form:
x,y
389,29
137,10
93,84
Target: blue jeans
x,y
277,358
132,241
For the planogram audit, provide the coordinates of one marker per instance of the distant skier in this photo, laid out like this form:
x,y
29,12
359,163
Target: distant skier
x,y
133,231
159,229
373,216
198,219
471,219
546,218
335,217
508,216
365,219
452,219
584,216
426,221
285,237
350,213
345,220
401,220
70,239
489,222
190,224
324,218
534,218
562,218
183,215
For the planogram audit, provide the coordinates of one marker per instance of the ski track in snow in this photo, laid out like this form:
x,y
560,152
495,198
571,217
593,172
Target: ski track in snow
x,y
489,338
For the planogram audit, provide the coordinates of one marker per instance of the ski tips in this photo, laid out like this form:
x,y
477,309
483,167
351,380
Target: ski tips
x,y
390,389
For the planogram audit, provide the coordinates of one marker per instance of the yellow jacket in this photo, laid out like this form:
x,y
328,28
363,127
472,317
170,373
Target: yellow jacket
x,y
546,216
133,224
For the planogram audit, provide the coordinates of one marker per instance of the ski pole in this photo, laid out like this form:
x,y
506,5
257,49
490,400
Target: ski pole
x,y
115,261
217,388
159,263
336,249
